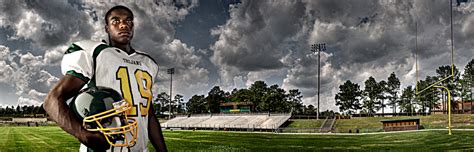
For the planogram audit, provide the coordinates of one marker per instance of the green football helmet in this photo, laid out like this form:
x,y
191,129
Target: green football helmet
x,y
104,110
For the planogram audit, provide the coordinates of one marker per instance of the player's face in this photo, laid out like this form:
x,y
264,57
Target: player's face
x,y
120,26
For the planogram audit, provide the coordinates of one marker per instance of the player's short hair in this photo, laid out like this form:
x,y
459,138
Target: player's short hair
x,y
116,8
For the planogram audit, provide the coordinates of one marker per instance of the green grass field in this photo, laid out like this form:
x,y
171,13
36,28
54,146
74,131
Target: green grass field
x,y
436,121
304,123
52,138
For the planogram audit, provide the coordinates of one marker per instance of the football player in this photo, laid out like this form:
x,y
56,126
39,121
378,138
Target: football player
x,y
116,65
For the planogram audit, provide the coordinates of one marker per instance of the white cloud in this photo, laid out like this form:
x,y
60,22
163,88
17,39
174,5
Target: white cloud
x,y
29,26
28,101
5,69
5,72
31,60
5,54
36,95
53,57
189,77
263,75
45,24
26,75
46,78
255,38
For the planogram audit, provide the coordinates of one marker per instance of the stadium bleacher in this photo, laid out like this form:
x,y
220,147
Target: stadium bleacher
x,y
226,121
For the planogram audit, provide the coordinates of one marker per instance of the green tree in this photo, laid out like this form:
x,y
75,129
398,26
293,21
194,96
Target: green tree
x,y
294,98
11,110
156,108
328,113
372,91
41,110
197,104
241,95
348,97
393,85
258,90
18,110
383,86
264,99
213,99
179,104
163,100
310,110
465,92
467,82
274,100
428,98
406,104
451,84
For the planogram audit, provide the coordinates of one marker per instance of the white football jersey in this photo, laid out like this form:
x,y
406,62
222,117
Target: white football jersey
x,y
131,75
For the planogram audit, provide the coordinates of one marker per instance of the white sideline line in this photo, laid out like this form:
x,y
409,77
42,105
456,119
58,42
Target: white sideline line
x,y
330,134
375,133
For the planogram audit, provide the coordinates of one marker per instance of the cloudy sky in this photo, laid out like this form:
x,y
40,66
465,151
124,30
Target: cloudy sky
x,y
233,43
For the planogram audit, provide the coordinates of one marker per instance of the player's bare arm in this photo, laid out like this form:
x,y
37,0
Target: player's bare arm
x,y
57,109
154,132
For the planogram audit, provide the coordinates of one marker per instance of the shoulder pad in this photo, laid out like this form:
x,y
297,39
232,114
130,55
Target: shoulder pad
x,y
88,45
147,55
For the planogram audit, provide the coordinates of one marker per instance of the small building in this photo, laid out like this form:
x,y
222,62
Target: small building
x,y
401,124
465,107
234,107
468,107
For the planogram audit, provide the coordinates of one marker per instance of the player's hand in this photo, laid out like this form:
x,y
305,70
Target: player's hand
x,y
95,140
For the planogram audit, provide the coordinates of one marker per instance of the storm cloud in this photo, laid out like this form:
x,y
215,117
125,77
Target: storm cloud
x,y
45,29
363,38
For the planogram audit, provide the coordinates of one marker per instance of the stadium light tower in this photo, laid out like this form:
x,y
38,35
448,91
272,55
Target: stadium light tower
x,y
318,47
171,72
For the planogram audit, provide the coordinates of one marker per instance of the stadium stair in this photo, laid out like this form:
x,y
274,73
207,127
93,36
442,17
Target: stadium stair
x,y
327,125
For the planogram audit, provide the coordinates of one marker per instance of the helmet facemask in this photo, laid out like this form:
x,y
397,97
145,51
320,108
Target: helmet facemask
x,y
118,129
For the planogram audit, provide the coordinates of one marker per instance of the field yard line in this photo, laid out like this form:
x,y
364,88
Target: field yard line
x,y
10,137
32,137
6,136
375,133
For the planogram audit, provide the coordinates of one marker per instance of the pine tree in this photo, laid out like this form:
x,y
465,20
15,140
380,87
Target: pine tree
x,y
348,97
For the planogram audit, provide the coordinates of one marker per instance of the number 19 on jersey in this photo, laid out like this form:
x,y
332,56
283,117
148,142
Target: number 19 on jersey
x,y
144,83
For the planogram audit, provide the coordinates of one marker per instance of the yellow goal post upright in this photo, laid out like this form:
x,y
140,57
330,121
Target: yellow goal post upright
x,y
441,80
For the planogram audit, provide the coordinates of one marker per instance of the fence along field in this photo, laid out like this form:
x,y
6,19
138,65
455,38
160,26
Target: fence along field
x,y
47,138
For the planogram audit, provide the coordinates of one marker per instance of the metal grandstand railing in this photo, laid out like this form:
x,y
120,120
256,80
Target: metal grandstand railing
x,y
248,121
